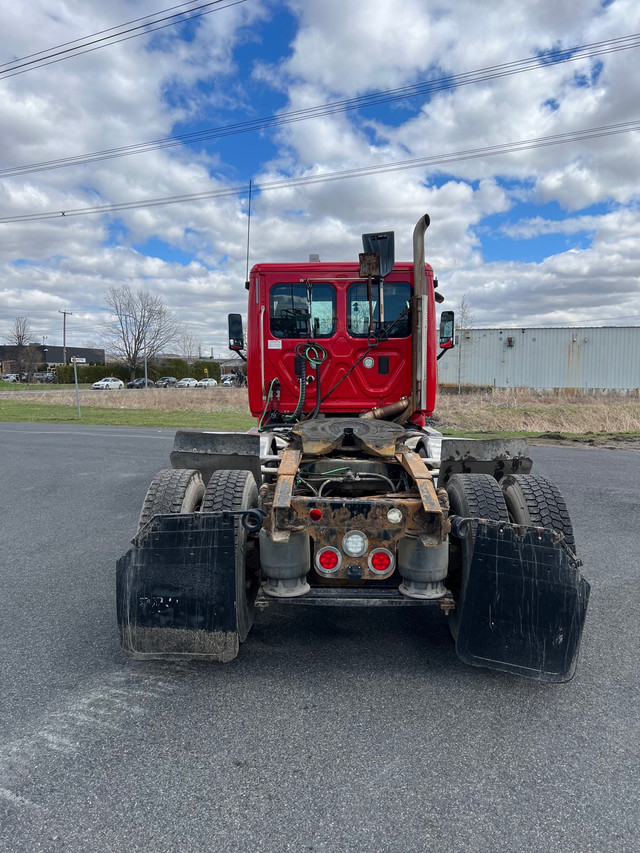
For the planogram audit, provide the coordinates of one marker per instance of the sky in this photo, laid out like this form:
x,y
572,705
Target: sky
x,y
514,125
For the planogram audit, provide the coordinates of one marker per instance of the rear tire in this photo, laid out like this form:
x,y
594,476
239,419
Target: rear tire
x,y
172,491
470,496
533,500
237,490
476,496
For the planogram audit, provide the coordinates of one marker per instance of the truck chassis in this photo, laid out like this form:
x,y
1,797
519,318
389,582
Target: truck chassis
x,y
457,525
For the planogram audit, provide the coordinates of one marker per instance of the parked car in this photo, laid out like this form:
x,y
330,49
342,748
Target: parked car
x,y
43,377
234,380
166,382
140,383
187,382
109,383
10,377
206,383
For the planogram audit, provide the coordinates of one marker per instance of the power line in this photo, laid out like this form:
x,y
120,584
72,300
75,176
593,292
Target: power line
x,y
426,88
99,33
363,171
88,44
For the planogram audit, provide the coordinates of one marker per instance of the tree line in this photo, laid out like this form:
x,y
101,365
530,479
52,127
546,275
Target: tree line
x,y
139,326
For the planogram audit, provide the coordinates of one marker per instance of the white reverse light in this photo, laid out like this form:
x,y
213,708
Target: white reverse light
x,y
355,543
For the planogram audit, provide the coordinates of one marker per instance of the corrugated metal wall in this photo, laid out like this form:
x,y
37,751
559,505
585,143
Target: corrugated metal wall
x,y
589,358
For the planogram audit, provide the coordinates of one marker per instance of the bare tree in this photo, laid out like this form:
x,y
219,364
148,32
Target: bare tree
x,y
189,346
464,315
27,355
20,332
143,325
32,359
464,322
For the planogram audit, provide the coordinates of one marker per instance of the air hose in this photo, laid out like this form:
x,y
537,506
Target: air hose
x,y
310,353
316,355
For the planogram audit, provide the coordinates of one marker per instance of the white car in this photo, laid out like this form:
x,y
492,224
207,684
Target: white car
x,y
187,383
206,383
109,383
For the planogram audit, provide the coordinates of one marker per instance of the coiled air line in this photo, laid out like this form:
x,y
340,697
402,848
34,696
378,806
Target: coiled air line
x,y
310,353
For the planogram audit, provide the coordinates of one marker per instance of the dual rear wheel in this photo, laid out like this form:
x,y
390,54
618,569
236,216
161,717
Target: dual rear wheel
x,y
183,491
519,498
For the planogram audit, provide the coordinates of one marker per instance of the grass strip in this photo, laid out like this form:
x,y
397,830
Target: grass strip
x,y
20,412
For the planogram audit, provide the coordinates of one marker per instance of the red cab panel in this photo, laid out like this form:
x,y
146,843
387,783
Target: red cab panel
x,y
358,335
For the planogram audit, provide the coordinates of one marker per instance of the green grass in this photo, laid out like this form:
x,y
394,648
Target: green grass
x,y
21,412
239,419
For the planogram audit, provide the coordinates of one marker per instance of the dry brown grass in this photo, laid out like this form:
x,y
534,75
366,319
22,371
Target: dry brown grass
x,y
510,411
232,400
526,412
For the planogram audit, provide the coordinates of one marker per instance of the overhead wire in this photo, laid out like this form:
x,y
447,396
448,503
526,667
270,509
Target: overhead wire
x,y
306,180
427,87
92,35
64,51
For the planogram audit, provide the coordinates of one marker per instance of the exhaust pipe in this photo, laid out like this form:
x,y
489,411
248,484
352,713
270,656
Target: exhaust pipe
x,y
419,324
391,410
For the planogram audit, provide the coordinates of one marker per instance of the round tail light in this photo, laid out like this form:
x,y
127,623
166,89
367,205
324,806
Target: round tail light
x,y
328,560
381,561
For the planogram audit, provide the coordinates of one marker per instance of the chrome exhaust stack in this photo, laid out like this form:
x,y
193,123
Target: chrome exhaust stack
x,y
419,323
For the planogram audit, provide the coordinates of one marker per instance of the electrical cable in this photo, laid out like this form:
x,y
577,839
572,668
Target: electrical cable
x,y
345,105
261,425
373,341
363,171
56,55
92,35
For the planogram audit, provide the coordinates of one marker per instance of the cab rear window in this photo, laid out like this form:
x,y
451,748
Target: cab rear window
x,y
302,310
393,307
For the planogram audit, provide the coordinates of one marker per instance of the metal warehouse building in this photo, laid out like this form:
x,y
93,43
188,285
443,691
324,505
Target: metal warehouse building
x,y
605,358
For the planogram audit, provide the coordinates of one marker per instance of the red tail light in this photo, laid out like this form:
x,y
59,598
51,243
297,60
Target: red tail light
x,y
328,560
381,560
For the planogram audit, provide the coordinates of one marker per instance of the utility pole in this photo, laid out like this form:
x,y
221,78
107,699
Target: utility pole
x,y
64,333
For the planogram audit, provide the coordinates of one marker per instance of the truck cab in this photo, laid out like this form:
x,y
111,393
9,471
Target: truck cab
x,y
359,329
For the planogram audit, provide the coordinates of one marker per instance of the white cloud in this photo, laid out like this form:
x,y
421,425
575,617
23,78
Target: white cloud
x,y
141,90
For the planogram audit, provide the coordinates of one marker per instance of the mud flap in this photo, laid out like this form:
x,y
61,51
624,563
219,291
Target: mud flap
x,y
176,589
523,602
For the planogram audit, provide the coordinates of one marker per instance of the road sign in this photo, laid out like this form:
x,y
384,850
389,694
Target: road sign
x,y
76,360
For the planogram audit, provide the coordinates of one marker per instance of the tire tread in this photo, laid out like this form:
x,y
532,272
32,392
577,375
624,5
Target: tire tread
x,y
546,506
226,490
481,493
166,493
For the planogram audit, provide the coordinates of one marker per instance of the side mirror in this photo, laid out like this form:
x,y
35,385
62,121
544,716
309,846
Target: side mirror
x,y
447,329
236,333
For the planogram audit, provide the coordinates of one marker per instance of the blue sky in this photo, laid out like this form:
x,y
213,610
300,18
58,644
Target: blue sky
x,y
546,235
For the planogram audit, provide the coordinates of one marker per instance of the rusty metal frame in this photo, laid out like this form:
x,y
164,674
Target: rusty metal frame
x,y
423,513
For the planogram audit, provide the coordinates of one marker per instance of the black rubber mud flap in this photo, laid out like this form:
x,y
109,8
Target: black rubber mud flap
x,y
176,589
523,603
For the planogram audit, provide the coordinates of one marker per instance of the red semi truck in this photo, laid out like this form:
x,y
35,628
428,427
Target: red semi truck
x,y
343,494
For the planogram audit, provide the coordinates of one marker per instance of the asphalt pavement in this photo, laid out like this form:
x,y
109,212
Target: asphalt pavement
x,y
346,729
